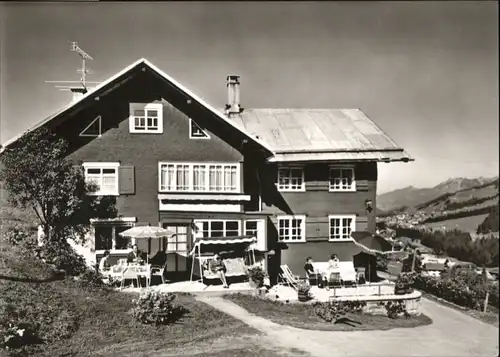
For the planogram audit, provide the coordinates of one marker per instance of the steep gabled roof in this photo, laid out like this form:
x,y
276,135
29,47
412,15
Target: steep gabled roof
x,y
108,85
286,134
329,134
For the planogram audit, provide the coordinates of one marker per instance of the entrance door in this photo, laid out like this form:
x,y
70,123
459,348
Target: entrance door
x,y
176,248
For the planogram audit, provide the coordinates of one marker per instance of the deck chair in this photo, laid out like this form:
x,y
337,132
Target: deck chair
x,y
288,278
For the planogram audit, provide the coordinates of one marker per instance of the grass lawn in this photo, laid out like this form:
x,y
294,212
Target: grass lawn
x,y
102,324
303,316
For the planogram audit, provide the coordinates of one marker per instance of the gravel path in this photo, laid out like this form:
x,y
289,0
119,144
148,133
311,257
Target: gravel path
x,y
452,334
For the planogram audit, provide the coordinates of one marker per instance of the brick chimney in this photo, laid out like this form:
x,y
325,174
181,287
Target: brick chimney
x,y
233,95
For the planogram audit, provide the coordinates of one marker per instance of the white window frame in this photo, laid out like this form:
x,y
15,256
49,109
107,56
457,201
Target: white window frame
x,y
260,232
256,221
104,165
190,184
146,107
199,226
118,222
302,228
191,136
302,188
331,188
341,216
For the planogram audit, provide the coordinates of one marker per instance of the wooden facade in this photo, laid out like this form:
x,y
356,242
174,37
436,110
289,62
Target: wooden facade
x,y
258,199
316,203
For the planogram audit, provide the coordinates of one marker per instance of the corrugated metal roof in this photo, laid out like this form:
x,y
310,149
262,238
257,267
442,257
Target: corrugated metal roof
x,y
320,134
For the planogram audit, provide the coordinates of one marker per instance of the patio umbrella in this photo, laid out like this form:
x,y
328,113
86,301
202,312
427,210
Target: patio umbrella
x,y
147,232
370,242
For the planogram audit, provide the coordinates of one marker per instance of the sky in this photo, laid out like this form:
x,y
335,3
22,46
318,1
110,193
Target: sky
x,y
425,72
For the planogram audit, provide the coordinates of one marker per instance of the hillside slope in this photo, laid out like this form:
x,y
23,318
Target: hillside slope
x,y
470,208
412,197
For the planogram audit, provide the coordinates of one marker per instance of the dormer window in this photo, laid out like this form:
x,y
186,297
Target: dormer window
x,y
196,132
146,118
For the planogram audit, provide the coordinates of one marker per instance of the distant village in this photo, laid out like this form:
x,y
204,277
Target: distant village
x,y
416,220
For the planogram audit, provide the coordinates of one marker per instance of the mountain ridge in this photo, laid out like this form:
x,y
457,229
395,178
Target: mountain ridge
x,y
411,197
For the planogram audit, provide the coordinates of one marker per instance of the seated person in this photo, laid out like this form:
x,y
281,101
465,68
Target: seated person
x,y
309,268
218,267
333,267
104,264
333,263
135,256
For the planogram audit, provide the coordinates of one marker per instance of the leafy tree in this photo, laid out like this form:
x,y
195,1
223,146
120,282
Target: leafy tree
x,y
457,244
490,223
39,176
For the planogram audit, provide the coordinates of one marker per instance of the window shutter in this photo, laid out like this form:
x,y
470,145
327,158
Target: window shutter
x,y
361,185
142,224
361,223
126,179
261,235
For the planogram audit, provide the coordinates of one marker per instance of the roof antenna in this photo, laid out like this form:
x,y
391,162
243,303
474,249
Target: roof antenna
x,y
78,91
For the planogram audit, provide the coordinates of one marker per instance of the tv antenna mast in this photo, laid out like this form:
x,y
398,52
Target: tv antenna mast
x,y
72,86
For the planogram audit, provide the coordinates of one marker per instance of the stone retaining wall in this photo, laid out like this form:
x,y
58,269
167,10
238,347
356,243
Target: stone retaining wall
x,y
376,304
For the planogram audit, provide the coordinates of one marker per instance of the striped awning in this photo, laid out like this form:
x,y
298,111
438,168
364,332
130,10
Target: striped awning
x,y
247,239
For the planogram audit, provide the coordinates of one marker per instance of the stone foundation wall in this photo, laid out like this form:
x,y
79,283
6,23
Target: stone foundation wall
x,y
378,307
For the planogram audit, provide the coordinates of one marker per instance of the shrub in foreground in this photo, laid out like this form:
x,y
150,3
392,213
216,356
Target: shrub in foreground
x,y
396,308
91,279
257,275
404,284
63,257
334,310
157,308
464,288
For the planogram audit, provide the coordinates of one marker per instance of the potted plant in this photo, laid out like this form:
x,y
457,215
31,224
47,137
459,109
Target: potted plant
x,y
404,284
256,277
303,291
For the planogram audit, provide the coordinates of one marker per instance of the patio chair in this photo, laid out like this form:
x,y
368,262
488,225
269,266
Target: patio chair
x,y
129,274
144,272
158,271
360,275
334,280
288,278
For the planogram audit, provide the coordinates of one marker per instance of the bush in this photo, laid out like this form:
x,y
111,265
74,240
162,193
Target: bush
x,y
16,331
257,275
404,284
333,310
157,308
396,308
22,236
91,279
62,257
464,288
